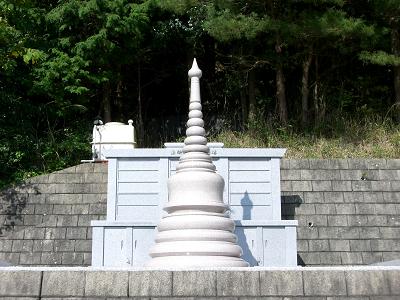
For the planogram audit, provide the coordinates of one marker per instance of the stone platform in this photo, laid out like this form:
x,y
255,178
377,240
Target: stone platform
x,y
328,283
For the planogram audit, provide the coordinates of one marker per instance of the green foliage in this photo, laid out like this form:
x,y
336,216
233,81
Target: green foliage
x,y
227,26
62,63
380,58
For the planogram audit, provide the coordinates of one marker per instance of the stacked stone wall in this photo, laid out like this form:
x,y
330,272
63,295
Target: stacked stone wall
x,y
46,220
348,213
348,210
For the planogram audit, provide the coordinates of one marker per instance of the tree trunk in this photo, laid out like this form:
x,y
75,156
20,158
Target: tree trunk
x,y
281,95
243,102
252,96
305,91
107,102
396,70
119,102
139,123
319,102
280,84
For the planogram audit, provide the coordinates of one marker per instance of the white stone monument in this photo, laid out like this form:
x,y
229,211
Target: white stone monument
x,y
112,135
197,231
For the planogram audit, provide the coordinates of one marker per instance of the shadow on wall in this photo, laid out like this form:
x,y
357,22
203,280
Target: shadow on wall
x,y
247,206
12,203
288,208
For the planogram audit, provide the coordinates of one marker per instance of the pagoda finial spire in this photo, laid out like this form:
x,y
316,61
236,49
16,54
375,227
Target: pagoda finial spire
x,y
197,231
195,71
196,151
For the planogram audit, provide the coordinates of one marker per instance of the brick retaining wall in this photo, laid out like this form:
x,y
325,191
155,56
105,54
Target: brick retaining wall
x,y
348,213
247,283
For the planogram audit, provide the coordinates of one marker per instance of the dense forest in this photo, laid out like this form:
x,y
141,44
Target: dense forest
x,y
274,72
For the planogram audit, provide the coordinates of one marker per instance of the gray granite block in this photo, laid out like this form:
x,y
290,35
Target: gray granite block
x,y
67,221
299,164
78,233
286,186
321,185
340,220
341,186
315,220
51,258
386,208
285,164
301,186
330,258
63,283
106,284
305,209
281,283
339,245
333,197
371,257
20,283
314,197
64,188
49,221
360,245
30,258
318,245
310,258
353,197
305,233
83,245
384,186
390,197
43,245
194,283
390,232
365,208
385,245
325,209
370,232
291,174
55,233
351,258
150,283
367,283
72,259
22,245
61,209
358,220
324,283
238,283
43,209
34,233
80,209
65,198
5,245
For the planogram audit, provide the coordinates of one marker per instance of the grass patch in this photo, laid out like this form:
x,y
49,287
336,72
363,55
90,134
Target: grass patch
x,y
339,138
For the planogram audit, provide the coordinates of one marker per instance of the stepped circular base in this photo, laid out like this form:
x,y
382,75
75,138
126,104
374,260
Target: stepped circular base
x,y
196,248
200,234
196,221
196,262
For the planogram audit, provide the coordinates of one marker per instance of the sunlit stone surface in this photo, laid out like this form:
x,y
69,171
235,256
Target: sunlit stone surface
x,y
197,232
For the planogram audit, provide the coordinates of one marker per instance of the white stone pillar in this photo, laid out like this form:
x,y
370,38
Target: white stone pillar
x,y
197,231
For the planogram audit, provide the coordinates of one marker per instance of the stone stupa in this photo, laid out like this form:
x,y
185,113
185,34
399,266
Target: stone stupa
x,y
197,231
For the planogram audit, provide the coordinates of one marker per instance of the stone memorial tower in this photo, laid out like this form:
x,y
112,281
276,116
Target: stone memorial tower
x,y
197,231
